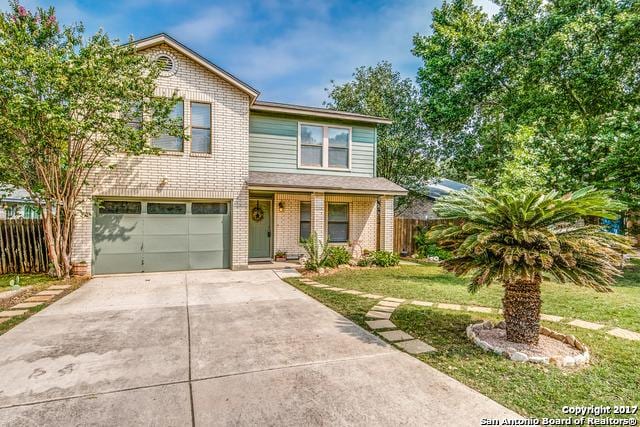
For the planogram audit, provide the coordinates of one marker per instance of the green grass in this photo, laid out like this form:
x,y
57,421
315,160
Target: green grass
x,y
25,280
431,283
531,390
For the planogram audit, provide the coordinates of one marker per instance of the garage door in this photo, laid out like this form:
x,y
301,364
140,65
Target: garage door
x,y
143,236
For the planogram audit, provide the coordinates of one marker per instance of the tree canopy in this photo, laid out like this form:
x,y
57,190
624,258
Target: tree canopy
x,y
66,105
405,153
565,70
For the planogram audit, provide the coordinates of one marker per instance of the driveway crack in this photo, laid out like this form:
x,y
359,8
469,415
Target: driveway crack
x,y
186,288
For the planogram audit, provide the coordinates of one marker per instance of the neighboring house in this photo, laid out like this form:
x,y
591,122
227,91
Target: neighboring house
x,y
423,208
18,204
254,178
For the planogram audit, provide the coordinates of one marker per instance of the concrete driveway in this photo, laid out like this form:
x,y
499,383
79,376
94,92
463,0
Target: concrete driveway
x,y
215,348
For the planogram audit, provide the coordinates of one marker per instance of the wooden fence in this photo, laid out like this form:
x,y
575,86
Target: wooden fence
x,y
22,246
405,229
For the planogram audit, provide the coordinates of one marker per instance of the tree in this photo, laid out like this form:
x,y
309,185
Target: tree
x,y
568,70
66,105
405,154
518,240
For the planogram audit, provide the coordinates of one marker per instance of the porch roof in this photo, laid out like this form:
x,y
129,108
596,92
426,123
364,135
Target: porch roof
x,y
328,183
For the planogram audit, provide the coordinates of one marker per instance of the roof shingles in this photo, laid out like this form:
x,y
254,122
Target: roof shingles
x,y
335,183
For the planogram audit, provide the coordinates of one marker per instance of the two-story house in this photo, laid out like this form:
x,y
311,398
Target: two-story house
x,y
253,178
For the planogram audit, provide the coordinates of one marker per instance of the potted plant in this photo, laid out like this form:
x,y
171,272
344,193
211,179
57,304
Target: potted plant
x,y
281,256
80,269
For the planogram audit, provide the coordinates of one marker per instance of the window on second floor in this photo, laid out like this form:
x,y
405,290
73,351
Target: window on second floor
x,y
200,127
324,147
168,142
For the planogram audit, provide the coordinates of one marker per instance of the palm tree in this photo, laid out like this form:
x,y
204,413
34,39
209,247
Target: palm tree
x,y
521,239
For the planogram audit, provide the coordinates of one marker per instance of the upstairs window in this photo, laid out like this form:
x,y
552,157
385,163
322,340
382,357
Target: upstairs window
x,y
325,147
311,145
200,127
172,143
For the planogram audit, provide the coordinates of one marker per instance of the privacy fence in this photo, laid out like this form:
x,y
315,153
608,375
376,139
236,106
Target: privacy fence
x,y
22,246
405,230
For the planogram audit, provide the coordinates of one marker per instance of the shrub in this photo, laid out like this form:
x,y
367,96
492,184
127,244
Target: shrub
x,y
337,255
380,258
317,251
426,247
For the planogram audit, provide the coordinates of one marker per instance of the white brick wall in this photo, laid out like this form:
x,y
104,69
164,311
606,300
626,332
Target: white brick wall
x,y
219,175
386,223
362,221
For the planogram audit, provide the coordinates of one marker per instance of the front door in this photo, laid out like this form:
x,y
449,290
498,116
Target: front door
x,y
259,229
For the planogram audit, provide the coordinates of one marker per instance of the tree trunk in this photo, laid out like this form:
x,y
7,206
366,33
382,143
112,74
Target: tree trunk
x,y
521,304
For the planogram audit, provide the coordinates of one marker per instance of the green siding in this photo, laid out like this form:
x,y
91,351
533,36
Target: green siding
x,y
273,146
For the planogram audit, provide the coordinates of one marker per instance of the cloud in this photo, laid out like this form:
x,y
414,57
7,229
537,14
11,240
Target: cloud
x,y
207,24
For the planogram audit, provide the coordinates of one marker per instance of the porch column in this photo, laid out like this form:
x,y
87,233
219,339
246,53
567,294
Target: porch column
x,y
318,215
386,223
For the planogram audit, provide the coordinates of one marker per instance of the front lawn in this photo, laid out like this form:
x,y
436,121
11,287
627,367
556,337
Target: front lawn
x,y
532,390
431,283
25,280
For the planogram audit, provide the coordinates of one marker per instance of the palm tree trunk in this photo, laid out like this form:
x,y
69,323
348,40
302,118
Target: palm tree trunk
x,y
521,304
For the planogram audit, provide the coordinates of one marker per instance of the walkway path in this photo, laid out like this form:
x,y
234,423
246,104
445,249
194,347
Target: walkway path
x,y
375,313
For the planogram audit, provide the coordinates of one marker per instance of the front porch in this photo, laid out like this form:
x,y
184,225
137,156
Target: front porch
x,y
280,221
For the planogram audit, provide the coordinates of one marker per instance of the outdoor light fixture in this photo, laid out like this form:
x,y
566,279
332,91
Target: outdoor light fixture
x,y
281,207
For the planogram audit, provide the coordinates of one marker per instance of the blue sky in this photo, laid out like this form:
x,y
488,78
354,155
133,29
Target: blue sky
x,y
288,50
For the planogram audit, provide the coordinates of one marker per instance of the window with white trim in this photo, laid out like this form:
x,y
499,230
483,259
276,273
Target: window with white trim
x,y
338,222
305,220
326,147
168,142
200,127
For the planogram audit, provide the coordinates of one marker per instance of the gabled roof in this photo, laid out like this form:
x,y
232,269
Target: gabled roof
x,y
228,77
300,110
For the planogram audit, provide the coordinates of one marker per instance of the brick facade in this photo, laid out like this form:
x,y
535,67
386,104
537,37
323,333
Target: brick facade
x,y
220,175
362,221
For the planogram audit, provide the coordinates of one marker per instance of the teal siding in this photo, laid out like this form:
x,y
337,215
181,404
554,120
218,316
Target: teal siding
x,y
273,146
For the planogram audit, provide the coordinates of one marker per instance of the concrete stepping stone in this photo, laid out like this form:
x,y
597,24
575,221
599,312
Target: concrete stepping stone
x,y
586,325
422,303
624,333
3,319
383,308
334,289
352,292
13,313
372,296
394,299
378,315
380,324
388,304
49,293
396,335
415,346
58,287
40,298
27,305
479,309
319,285
550,317
450,306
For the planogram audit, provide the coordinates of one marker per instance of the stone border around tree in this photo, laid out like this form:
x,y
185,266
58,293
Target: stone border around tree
x,y
517,356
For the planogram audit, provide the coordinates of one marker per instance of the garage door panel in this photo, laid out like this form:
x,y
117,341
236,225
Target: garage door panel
x,y
170,243
207,224
119,263
163,224
124,245
163,261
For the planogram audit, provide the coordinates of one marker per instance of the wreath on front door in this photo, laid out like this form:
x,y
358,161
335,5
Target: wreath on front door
x,y
257,214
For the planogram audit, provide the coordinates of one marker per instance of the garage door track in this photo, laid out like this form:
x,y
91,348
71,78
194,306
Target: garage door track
x,y
215,348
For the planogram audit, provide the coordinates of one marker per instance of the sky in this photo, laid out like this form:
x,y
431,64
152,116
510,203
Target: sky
x,y
289,50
